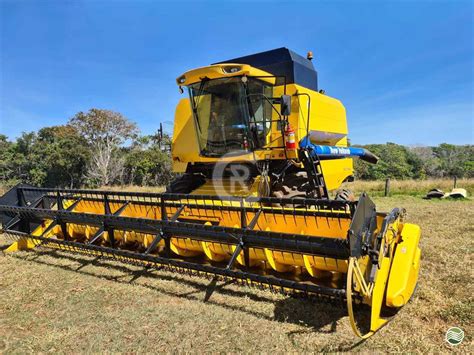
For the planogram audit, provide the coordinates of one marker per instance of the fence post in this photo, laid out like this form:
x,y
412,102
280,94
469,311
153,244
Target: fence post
x,y
387,187
455,182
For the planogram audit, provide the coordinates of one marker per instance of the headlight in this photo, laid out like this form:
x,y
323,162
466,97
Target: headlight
x,y
232,69
181,80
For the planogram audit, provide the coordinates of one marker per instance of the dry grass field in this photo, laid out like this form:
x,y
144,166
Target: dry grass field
x,y
410,187
51,301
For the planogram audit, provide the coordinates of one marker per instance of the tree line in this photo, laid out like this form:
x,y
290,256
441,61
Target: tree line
x,y
102,147
401,162
96,148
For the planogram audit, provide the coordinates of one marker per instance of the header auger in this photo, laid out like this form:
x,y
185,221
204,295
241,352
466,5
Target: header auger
x,y
251,204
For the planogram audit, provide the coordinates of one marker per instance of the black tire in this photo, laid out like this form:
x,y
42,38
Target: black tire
x,y
186,183
345,195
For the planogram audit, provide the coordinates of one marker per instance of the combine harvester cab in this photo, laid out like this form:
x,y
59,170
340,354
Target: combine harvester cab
x,y
334,250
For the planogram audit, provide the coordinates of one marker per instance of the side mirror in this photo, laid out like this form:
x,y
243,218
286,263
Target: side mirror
x,y
285,101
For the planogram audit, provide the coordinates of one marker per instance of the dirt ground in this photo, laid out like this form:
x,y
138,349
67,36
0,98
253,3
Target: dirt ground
x,y
52,301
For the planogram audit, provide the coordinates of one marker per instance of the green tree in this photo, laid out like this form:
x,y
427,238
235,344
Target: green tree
x,y
54,157
148,162
455,160
105,131
8,167
20,161
430,163
396,161
62,155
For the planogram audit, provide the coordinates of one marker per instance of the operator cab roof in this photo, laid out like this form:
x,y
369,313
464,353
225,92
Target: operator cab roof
x,y
282,62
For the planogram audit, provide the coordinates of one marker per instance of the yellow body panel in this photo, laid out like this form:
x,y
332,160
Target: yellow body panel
x,y
327,115
405,266
217,71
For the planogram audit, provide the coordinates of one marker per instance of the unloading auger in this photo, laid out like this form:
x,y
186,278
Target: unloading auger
x,y
273,226
338,250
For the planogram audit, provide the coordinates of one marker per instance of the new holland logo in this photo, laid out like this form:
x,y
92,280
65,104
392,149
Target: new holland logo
x,y
342,151
454,335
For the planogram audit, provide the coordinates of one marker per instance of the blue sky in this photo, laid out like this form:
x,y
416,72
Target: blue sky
x,y
403,69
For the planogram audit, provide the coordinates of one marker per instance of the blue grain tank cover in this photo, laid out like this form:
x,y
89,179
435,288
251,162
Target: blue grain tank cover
x,y
282,62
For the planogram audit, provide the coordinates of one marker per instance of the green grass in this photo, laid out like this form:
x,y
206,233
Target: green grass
x,y
52,301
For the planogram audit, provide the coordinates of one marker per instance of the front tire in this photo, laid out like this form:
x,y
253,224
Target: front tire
x,y
345,195
186,183
293,185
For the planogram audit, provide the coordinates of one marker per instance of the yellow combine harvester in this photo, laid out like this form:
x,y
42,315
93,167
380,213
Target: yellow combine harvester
x,y
258,148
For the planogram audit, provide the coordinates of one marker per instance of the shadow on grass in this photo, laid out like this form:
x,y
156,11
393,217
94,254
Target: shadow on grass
x,y
319,317
314,315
